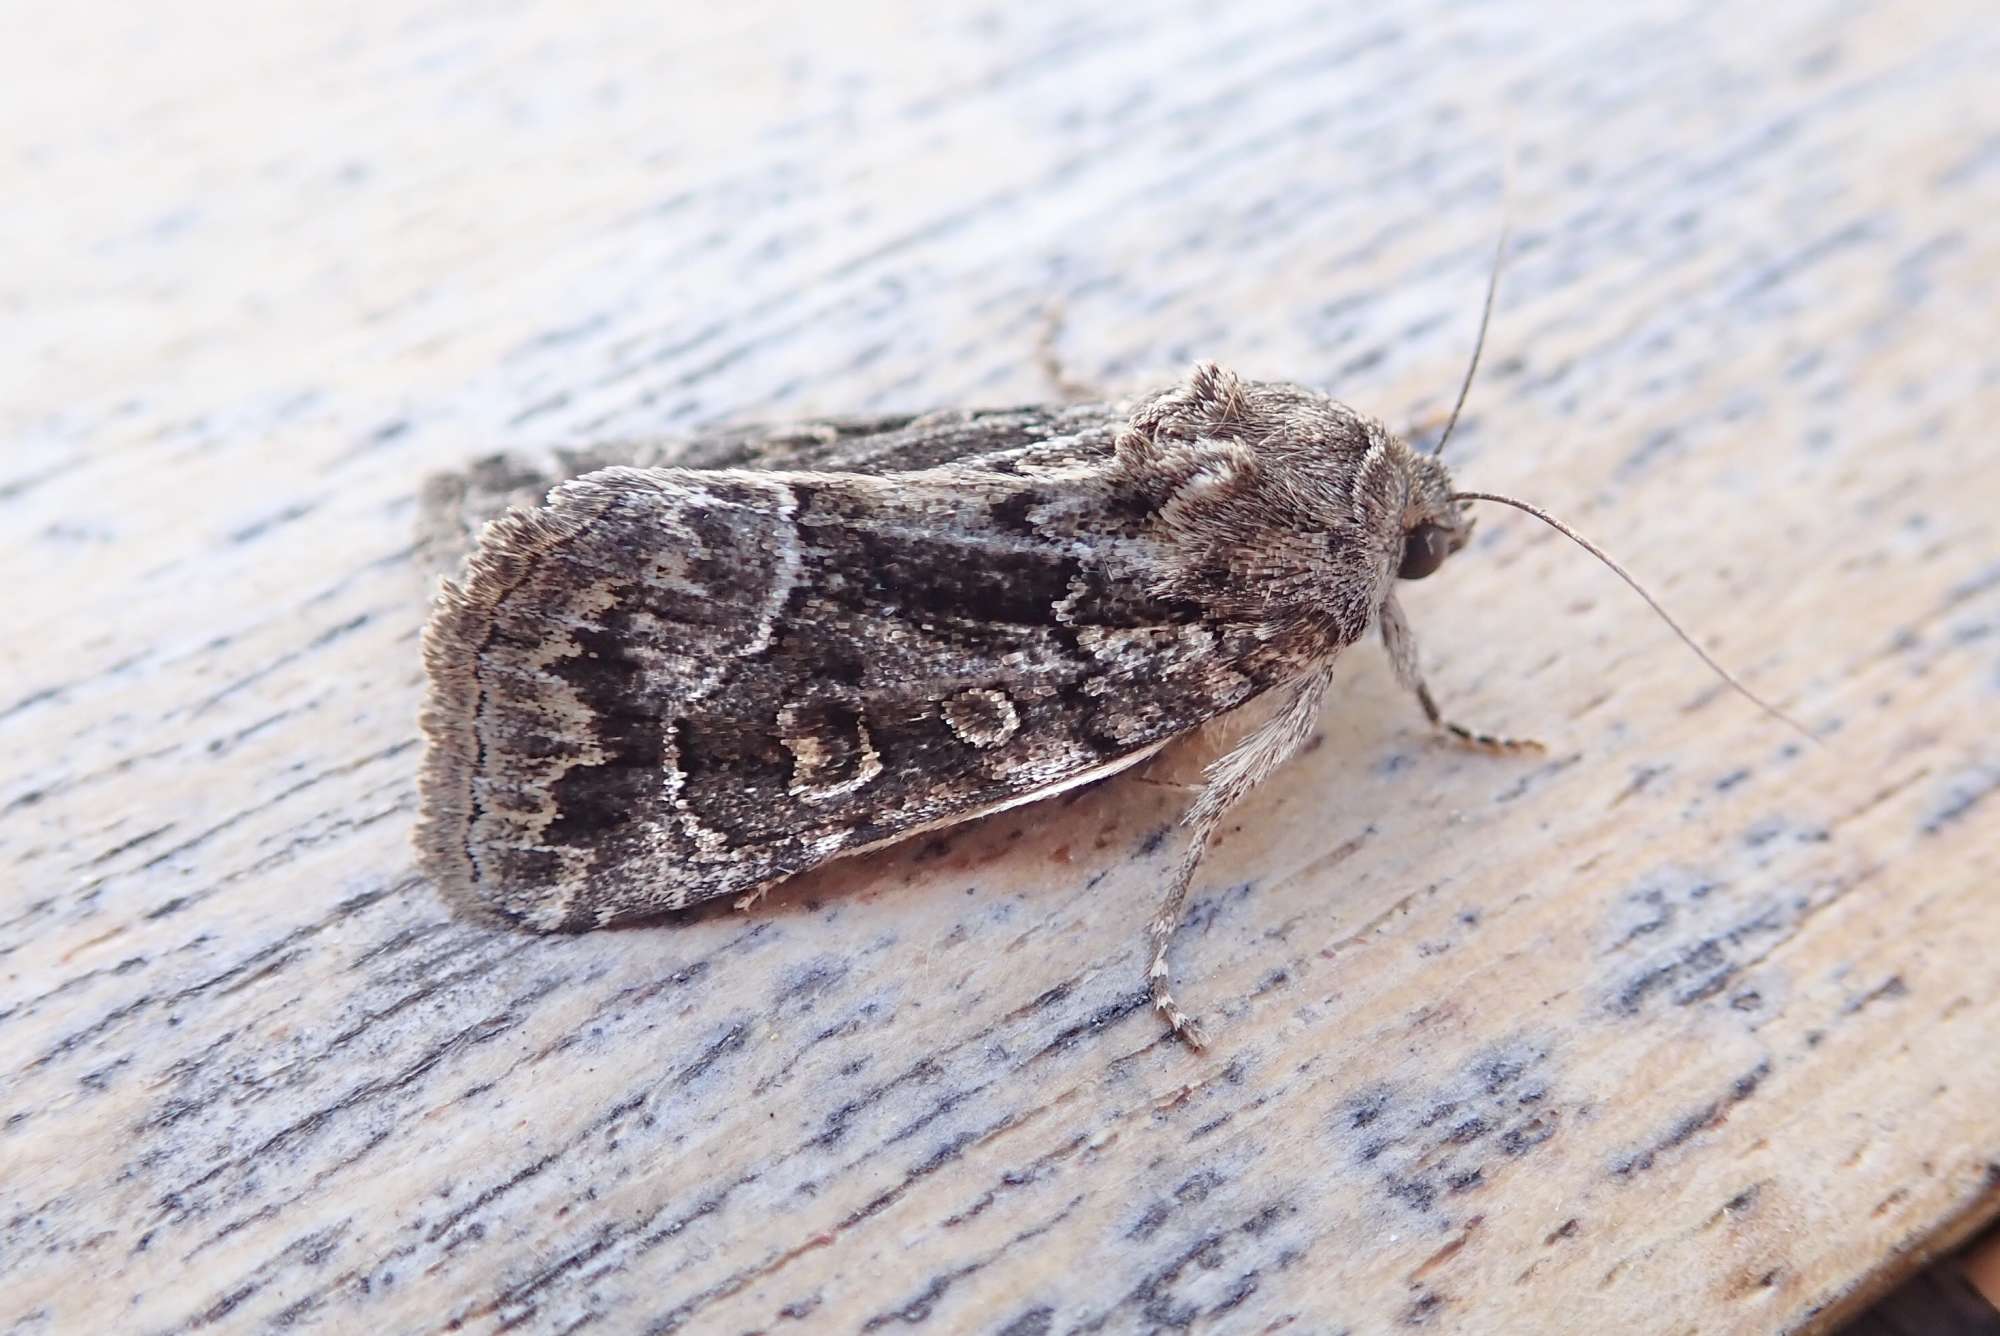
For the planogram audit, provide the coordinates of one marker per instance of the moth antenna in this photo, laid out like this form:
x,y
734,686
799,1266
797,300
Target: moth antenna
x,y
1651,602
1478,343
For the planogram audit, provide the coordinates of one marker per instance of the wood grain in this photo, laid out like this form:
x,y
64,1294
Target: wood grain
x,y
1686,1027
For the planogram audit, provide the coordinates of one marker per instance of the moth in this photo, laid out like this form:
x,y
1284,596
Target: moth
x,y
669,684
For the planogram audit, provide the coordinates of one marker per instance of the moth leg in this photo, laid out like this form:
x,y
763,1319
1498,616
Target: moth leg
x,y
1402,647
756,893
1049,357
1229,777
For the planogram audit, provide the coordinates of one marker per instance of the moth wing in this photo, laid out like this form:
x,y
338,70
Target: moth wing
x,y
672,685
454,506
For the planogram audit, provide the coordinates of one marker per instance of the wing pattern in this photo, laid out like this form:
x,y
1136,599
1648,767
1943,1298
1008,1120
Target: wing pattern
x,y
671,685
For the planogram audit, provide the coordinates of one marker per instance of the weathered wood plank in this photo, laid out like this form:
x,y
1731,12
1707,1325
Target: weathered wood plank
x,y
1687,1027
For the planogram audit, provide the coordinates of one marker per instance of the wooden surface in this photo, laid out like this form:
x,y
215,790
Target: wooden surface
x,y
1686,1027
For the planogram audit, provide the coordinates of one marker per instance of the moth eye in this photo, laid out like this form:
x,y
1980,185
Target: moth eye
x,y
1424,549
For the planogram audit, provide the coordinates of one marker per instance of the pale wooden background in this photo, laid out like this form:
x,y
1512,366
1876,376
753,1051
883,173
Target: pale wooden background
x,y
1684,1028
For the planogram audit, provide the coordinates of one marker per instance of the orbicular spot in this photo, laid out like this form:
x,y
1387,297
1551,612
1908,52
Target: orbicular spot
x,y
832,754
982,716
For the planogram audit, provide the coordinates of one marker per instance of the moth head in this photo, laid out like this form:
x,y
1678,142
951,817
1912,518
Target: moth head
x,y
1434,524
